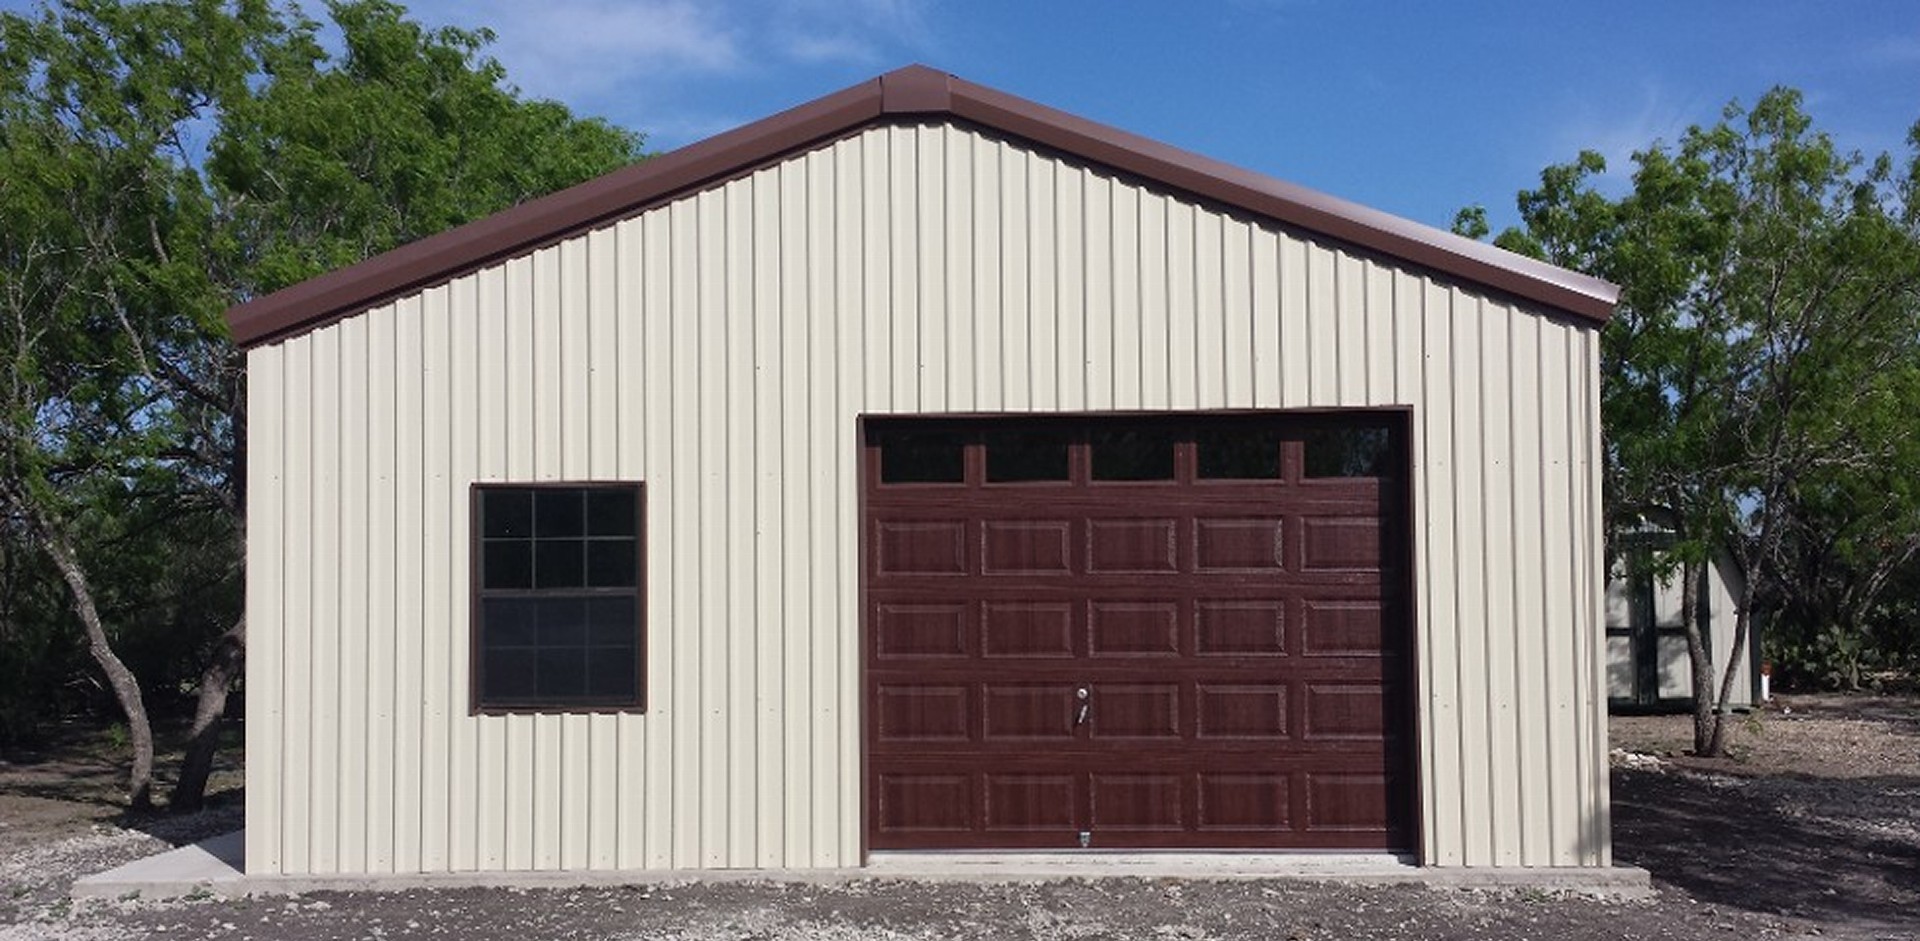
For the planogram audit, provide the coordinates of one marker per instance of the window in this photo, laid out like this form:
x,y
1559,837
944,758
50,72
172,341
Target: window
x,y
1122,453
1026,455
557,605
1347,451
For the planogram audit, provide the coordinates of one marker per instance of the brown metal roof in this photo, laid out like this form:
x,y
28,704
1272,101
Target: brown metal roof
x,y
914,91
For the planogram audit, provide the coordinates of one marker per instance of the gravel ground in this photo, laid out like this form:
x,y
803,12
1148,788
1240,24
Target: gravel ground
x,y
1812,830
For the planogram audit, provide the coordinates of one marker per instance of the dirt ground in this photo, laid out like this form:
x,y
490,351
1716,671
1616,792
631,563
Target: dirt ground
x,y
1810,830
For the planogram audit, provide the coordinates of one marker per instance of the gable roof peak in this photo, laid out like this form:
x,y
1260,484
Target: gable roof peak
x,y
913,90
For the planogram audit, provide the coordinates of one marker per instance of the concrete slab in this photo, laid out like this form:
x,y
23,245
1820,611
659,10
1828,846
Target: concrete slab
x,y
217,867
211,865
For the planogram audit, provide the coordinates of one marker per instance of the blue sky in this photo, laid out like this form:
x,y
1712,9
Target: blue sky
x,y
1414,108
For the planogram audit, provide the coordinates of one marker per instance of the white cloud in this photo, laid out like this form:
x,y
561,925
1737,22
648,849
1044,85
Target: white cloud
x,y
1895,50
1627,126
578,49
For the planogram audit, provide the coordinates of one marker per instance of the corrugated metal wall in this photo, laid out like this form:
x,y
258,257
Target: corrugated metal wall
x,y
719,348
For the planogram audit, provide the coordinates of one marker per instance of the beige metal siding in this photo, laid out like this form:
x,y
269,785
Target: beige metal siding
x,y
720,348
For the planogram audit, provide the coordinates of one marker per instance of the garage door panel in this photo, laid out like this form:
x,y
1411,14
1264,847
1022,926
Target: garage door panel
x,y
918,631
1132,546
922,712
1344,543
1134,711
1130,801
1242,711
1238,545
1028,712
1133,628
1020,801
1249,628
1346,802
923,802
1241,800
920,547
1026,629
1344,711
1026,547
1342,628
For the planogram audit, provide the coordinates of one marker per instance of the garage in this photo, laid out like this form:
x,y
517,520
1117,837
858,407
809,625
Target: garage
x,y
1127,632
925,469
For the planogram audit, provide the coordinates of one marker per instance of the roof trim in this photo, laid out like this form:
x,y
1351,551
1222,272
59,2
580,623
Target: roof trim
x,y
912,91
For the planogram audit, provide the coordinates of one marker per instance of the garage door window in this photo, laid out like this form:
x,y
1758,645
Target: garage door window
x,y
1027,456
1358,451
1238,453
557,607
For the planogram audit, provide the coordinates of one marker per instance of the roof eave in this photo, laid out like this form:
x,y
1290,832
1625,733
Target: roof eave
x,y
914,90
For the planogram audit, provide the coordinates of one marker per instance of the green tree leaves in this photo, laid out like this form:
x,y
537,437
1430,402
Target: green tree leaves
x,y
1765,344
159,162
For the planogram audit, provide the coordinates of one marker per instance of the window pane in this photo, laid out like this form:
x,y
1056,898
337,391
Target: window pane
x,y
506,513
922,457
563,672
612,563
612,674
507,564
1026,455
1346,452
558,563
563,622
558,512
611,622
508,676
1132,454
1238,453
610,511
510,622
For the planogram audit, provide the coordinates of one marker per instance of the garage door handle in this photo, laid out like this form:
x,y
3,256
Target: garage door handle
x,y
1081,718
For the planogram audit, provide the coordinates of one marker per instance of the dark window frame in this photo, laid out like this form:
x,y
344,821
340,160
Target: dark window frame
x,y
478,594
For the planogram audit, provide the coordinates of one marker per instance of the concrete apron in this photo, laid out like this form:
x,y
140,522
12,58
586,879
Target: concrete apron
x,y
215,868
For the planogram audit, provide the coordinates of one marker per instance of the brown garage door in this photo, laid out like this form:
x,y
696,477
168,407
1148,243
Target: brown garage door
x,y
1183,632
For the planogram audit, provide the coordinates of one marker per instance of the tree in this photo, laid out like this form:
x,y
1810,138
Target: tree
x,y
1759,362
167,160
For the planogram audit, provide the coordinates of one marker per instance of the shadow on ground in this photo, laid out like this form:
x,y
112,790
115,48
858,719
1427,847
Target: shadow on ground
x,y
1811,847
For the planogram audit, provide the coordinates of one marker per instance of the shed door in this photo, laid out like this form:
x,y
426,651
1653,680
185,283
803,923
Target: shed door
x,y
1178,632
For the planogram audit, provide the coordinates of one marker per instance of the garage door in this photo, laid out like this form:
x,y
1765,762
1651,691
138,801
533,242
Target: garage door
x,y
1179,632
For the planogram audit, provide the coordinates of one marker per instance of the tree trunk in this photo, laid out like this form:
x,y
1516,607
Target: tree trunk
x,y
126,688
223,667
1742,625
1706,718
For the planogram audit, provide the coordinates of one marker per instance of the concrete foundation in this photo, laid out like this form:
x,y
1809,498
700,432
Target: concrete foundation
x,y
216,867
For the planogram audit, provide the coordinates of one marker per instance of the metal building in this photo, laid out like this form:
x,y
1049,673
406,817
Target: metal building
x,y
924,468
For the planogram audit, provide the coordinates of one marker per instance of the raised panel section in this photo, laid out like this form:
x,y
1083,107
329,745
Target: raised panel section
x,y
1021,629
1340,544
1237,545
1342,629
1345,712
1242,710
1137,546
1026,547
1028,712
1240,629
920,548
919,630
1152,802
1243,801
1133,629
1136,710
914,803
1017,801
921,713
1346,802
